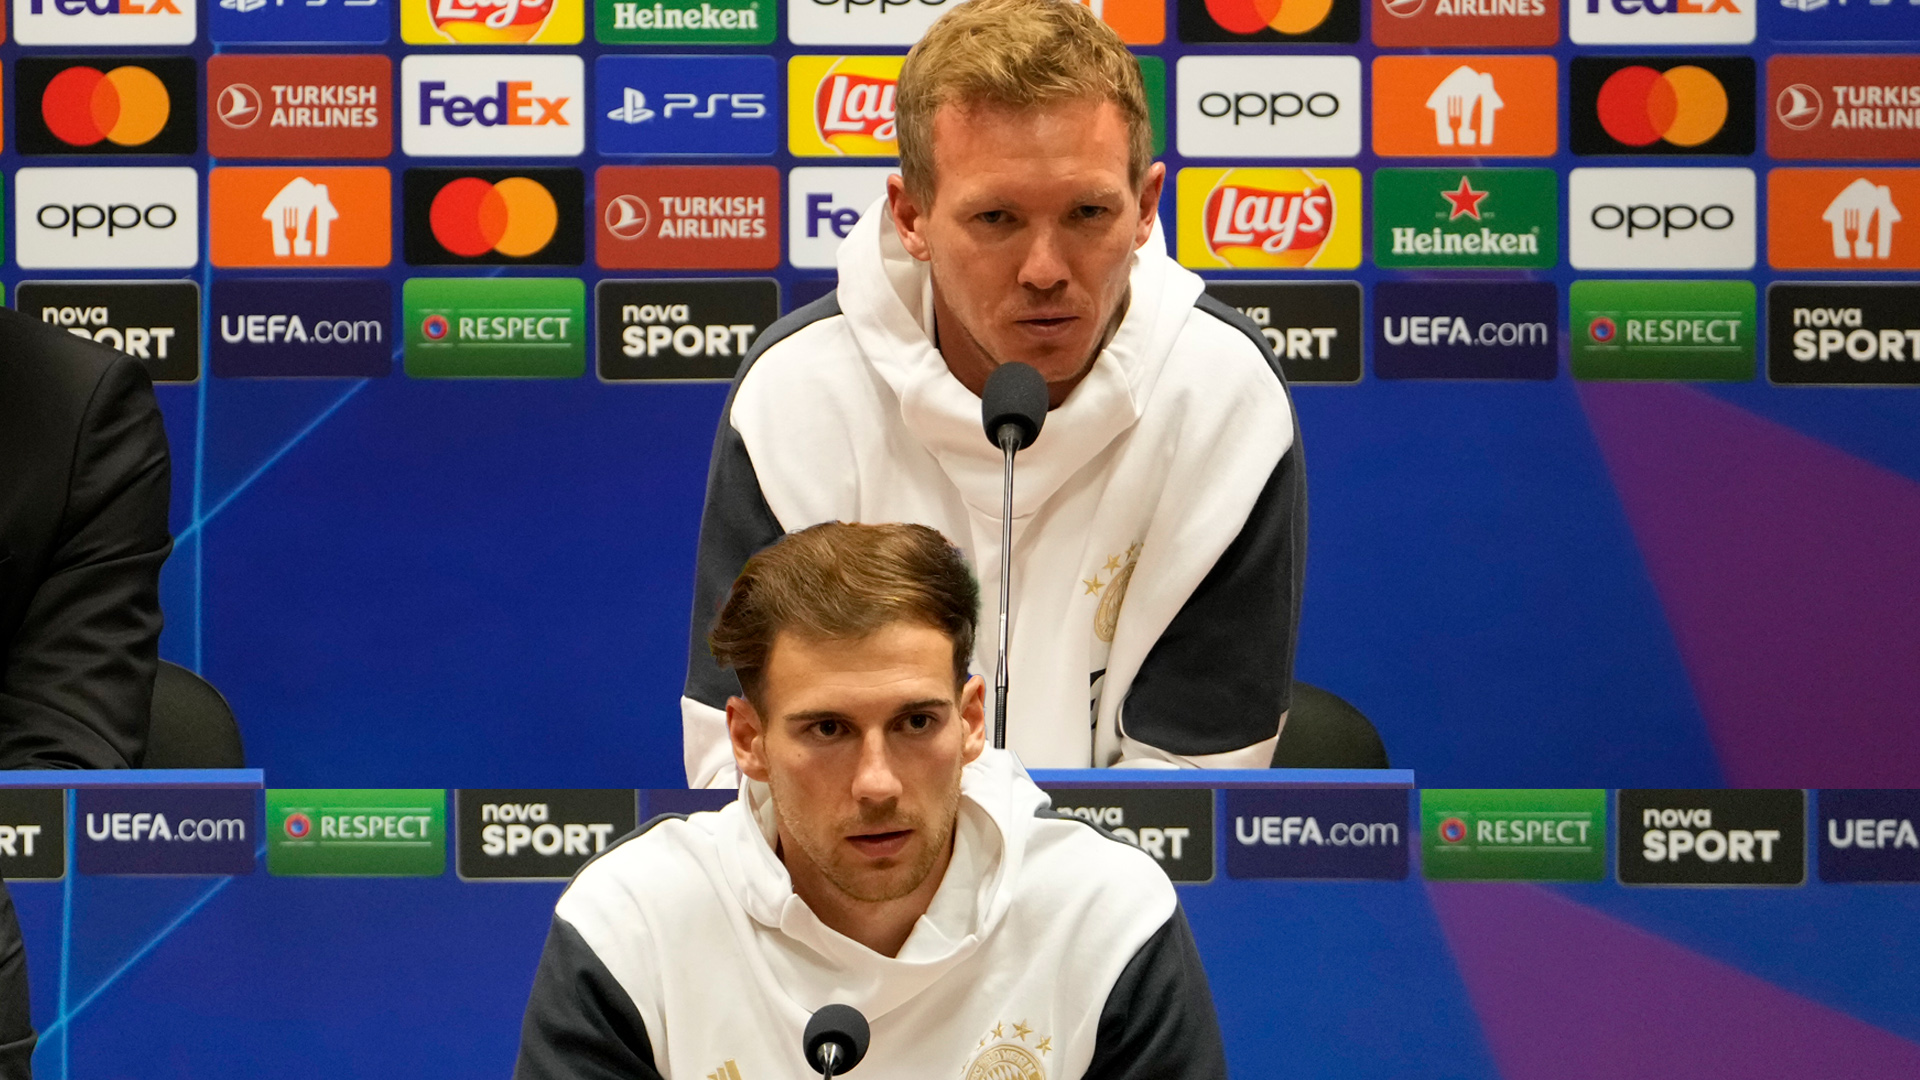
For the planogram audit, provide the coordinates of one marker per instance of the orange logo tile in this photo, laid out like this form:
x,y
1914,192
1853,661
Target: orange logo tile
x,y
1843,219
291,219
1465,106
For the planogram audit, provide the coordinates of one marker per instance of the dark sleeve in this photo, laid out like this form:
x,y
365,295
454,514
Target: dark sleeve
x,y
16,1025
1222,672
1158,1023
580,1025
736,522
78,682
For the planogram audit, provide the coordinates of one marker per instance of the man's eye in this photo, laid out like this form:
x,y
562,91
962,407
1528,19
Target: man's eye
x,y
827,729
992,217
920,721
1088,213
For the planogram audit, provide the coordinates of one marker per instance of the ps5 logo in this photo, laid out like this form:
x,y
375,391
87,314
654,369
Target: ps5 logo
x,y
633,107
1803,5
247,7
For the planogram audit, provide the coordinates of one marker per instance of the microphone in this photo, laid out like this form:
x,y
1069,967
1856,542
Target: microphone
x,y
836,1040
1013,406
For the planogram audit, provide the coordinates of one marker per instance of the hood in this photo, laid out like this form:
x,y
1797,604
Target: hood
x,y
814,963
886,296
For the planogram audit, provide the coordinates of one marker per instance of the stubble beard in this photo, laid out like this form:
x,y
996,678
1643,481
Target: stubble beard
x,y
870,887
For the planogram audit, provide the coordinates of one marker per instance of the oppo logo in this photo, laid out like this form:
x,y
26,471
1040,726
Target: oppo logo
x,y
1668,219
881,6
115,218
1285,105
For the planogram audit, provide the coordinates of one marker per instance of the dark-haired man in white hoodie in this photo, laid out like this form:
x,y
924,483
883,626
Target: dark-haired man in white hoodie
x,y
878,857
1160,519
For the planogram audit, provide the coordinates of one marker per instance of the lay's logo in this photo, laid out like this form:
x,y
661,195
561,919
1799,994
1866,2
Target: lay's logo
x,y
1269,218
842,106
492,22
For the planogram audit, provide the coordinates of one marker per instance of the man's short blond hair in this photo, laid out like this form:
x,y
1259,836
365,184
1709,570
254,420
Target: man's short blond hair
x,y
1016,54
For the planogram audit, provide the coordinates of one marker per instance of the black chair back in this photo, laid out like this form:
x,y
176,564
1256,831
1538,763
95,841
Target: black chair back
x,y
1325,731
192,725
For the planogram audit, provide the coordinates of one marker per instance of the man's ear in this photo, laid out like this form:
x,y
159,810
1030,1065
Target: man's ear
x,y
1149,202
908,218
748,735
973,718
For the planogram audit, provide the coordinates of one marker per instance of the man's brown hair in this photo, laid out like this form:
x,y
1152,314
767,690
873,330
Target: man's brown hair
x,y
837,582
1015,54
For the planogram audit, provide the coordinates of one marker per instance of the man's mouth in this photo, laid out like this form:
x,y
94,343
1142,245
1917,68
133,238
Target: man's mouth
x,y
880,845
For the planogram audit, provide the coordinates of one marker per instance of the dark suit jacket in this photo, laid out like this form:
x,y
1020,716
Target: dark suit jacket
x,y
84,481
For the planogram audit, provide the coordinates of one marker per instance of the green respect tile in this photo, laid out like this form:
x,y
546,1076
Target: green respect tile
x,y
1513,834
684,22
1451,218
1702,330
529,328
387,832
1153,74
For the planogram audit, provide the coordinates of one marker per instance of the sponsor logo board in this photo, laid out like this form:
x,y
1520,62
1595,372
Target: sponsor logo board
x,y
307,327
1465,330
1662,105
493,106
1269,106
492,22
1841,20
107,218
1838,107
683,801
1660,219
537,835
1138,22
842,106
495,327
1153,78
1664,329
1319,834
173,831
1848,334
1513,834
1865,835
1465,106
324,832
1312,326
1661,22
300,22
1843,219
664,330
684,22
155,322
1175,826
824,204
1269,20
1428,23
1723,837
105,22
105,105
707,217
716,105
333,106
293,218
1449,218
862,22
33,834
481,217
1256,219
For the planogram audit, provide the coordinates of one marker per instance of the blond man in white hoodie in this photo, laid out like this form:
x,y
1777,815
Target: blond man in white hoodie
x,y
880,857
1160,519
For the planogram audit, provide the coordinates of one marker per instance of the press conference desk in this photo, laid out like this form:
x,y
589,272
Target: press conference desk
x,y
413,977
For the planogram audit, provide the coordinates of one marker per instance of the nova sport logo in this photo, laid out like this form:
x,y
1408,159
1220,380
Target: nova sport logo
x,y
492,106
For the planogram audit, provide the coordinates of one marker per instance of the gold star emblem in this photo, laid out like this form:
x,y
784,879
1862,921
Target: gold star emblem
x,y
1021,1031
1093,584
997,1033
1113,562
1045,1045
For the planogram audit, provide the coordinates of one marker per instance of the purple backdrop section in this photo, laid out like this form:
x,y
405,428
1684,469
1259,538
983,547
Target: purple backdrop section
x,y
213,831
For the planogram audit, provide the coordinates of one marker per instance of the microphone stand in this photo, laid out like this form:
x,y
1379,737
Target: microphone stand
x,y
1009,439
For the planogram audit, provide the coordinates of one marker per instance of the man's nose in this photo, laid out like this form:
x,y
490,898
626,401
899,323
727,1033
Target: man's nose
x,y
1045,266
874,779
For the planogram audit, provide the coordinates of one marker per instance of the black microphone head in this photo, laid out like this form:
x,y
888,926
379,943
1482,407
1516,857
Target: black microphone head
x,y
839,1024
1015,394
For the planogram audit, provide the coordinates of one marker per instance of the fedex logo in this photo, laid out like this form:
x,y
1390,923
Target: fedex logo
x,y
823,206
493,106
1643,22
106,22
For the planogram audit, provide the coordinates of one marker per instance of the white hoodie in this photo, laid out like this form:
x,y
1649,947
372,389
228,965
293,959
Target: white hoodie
x,y
1049,952
1167,480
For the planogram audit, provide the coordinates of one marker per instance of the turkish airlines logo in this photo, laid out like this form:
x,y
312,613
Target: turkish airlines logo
x,y
842,106
1420,24
300,217
628,217
238,106
1841,107
1472,105
294,106
1260,218
106,105
492,106
688,217
1799,106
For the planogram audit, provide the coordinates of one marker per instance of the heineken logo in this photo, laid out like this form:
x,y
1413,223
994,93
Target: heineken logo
x,y
1448,218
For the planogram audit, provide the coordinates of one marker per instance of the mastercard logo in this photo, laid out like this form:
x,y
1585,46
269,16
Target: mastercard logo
x,y
515,217
1684,105
1280,16
127,106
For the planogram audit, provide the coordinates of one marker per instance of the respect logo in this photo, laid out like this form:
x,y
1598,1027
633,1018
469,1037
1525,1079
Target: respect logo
x,y
842,106
105,22
1697,330
492,106
1269,20
390,833
1513,835
1266,218
495,327
492,22
495,216
301,217
1663,105
1475,106
1661,22
1842,219
105,105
